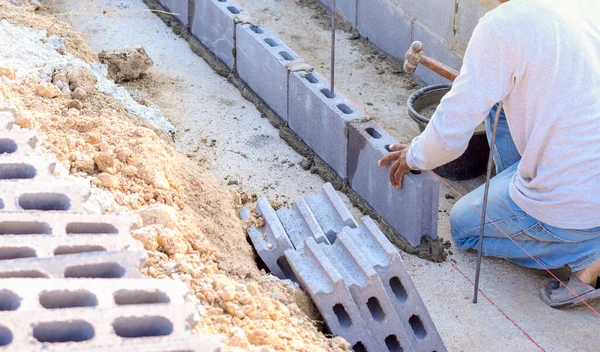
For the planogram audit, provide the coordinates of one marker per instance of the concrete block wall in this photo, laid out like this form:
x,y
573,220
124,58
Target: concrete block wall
x,y
302,100
69,279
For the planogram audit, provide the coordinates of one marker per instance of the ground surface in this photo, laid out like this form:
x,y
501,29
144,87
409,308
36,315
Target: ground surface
x,y
245,151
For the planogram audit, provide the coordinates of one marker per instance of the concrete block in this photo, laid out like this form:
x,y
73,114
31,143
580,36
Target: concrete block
x,y
57,195
17,141
44,246
437,15
385,25
214,26
346,8
330,211
27,165
262,61
179,8
100,265
271,241
319,120
26,295
313,268
411,210
368,292
300,223
380,254
435,47
7,119
125,328
467,17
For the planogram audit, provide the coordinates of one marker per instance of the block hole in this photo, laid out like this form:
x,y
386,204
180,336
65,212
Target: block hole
x,y
418,328
311,78
32,142
63,331
130,297
67,299
256,30
100,271
28,274
7,253
233,10
375,309
45,201
345,109
326,92
286,56
17,171
133,327
359,347
342,316
9,301
415,172
1,204
65,250
285,267
78,228
271,42
398,289
24,228
373,133
7,146
392,344
222,0
6,336
387,147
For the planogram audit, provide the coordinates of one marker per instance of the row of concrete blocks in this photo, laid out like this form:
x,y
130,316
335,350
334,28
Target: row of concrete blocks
x,y
330,125
52,255
355,276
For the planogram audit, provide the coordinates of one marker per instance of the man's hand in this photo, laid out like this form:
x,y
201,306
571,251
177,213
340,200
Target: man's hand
x,y
397,156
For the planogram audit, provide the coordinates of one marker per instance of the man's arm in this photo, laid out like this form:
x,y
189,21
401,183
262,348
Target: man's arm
x,y
487,77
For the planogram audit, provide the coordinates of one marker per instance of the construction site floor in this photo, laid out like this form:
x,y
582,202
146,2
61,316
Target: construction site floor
x,y
248,154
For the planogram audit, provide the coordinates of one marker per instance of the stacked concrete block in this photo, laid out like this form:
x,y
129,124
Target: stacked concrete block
x,y
321,119
262,62
56,196
330,211
214,25
467,17
300,224
328,290
385,24
179,8
271,241
411,210
346,8
381,255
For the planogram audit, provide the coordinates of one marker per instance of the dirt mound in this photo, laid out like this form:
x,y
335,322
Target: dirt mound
x,y
188,220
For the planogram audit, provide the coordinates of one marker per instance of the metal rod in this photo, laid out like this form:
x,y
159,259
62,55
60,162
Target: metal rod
x,y
488,177
333,26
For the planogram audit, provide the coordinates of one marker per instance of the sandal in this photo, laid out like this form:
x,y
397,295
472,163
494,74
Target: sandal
x,y
558,296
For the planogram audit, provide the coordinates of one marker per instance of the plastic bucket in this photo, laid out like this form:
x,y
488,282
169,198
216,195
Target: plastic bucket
x,y
473,162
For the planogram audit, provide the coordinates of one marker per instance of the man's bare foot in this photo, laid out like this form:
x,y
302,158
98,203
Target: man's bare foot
x,y
590,274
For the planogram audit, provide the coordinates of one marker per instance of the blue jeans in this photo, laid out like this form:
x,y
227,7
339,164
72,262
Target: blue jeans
x,y
553,247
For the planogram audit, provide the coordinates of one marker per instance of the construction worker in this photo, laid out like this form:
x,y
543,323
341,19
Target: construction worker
x,y
542,59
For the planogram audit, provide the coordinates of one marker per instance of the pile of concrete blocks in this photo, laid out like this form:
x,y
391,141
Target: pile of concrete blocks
x,y
69,278
355,276
327,122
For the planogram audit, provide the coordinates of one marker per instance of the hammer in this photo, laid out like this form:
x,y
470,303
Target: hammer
x,y
414,56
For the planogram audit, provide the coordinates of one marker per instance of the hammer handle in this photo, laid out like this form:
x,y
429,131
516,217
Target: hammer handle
x,y
440,68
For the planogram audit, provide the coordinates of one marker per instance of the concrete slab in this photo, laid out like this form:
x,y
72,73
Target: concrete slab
x,y
411,210
261,60
321,120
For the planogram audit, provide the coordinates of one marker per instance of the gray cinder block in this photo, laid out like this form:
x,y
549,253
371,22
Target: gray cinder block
x,y
7,119
262,61
179,8
319,120
214,26
368,292
437,15
346,8
330,211
326,287
406,300
30,165
271,241
434,47
411,210
300,223
44,195
126,328
100,265
385,25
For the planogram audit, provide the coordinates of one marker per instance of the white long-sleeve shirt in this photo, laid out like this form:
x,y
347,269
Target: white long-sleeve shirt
x,y
542,58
